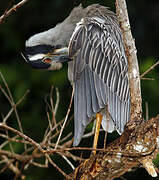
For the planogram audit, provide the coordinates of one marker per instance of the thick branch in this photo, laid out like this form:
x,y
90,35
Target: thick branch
x,y
142,144
134,76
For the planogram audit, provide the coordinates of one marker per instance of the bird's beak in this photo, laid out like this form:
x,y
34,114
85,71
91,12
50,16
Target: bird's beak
x,y
60,55
57,57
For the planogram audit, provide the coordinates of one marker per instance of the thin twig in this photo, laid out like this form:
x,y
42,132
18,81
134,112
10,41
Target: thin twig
x,y
149,69
66,137
92,132
69,162
122,178
14,139
13,9
4,144
49,137
74,149
72,156
11,100
148,79
59,169
10,112
52,108
11,166
68,111
6,95
9,142
15,156
3,169
8,115
37,145
39,165
6,85
147,111
105,139
57,100
49,129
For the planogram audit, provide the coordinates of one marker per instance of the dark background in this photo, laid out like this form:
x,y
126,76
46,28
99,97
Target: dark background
x,y
37,16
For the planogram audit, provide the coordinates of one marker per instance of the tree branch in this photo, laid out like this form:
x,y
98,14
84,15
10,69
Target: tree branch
x,y
148,70
13,9
142,146
134,76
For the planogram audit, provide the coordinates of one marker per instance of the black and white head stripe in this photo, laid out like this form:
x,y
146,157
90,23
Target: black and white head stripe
x,y
39,49
38,64
35,54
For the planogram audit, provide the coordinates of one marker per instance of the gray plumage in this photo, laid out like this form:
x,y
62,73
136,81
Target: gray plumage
x,y
99,69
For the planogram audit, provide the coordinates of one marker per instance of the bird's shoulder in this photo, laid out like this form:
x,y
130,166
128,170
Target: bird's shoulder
x,y
95,29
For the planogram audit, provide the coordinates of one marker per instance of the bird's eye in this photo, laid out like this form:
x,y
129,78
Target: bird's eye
x,y
47,60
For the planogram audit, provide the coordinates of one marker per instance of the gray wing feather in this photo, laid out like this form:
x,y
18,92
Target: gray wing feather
x,y
88,97
100,74
79,111
101,96
92,90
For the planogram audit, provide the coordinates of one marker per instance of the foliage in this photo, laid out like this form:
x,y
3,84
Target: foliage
x,y
156,161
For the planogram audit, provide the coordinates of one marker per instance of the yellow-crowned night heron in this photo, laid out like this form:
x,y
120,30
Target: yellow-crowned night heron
x,y
90,40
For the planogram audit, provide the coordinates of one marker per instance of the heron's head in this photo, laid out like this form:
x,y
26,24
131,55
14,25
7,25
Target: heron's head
x,y
48,49
41,55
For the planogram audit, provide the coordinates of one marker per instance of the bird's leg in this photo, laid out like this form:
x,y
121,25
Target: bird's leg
x,y
98,123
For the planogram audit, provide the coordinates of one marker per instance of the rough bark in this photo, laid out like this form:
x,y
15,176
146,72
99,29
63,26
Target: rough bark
x,y
141,148
134,75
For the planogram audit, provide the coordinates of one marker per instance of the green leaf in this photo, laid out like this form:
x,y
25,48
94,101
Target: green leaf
x,y
156,161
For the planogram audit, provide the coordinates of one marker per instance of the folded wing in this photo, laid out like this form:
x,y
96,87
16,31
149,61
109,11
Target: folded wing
x,y
99,73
